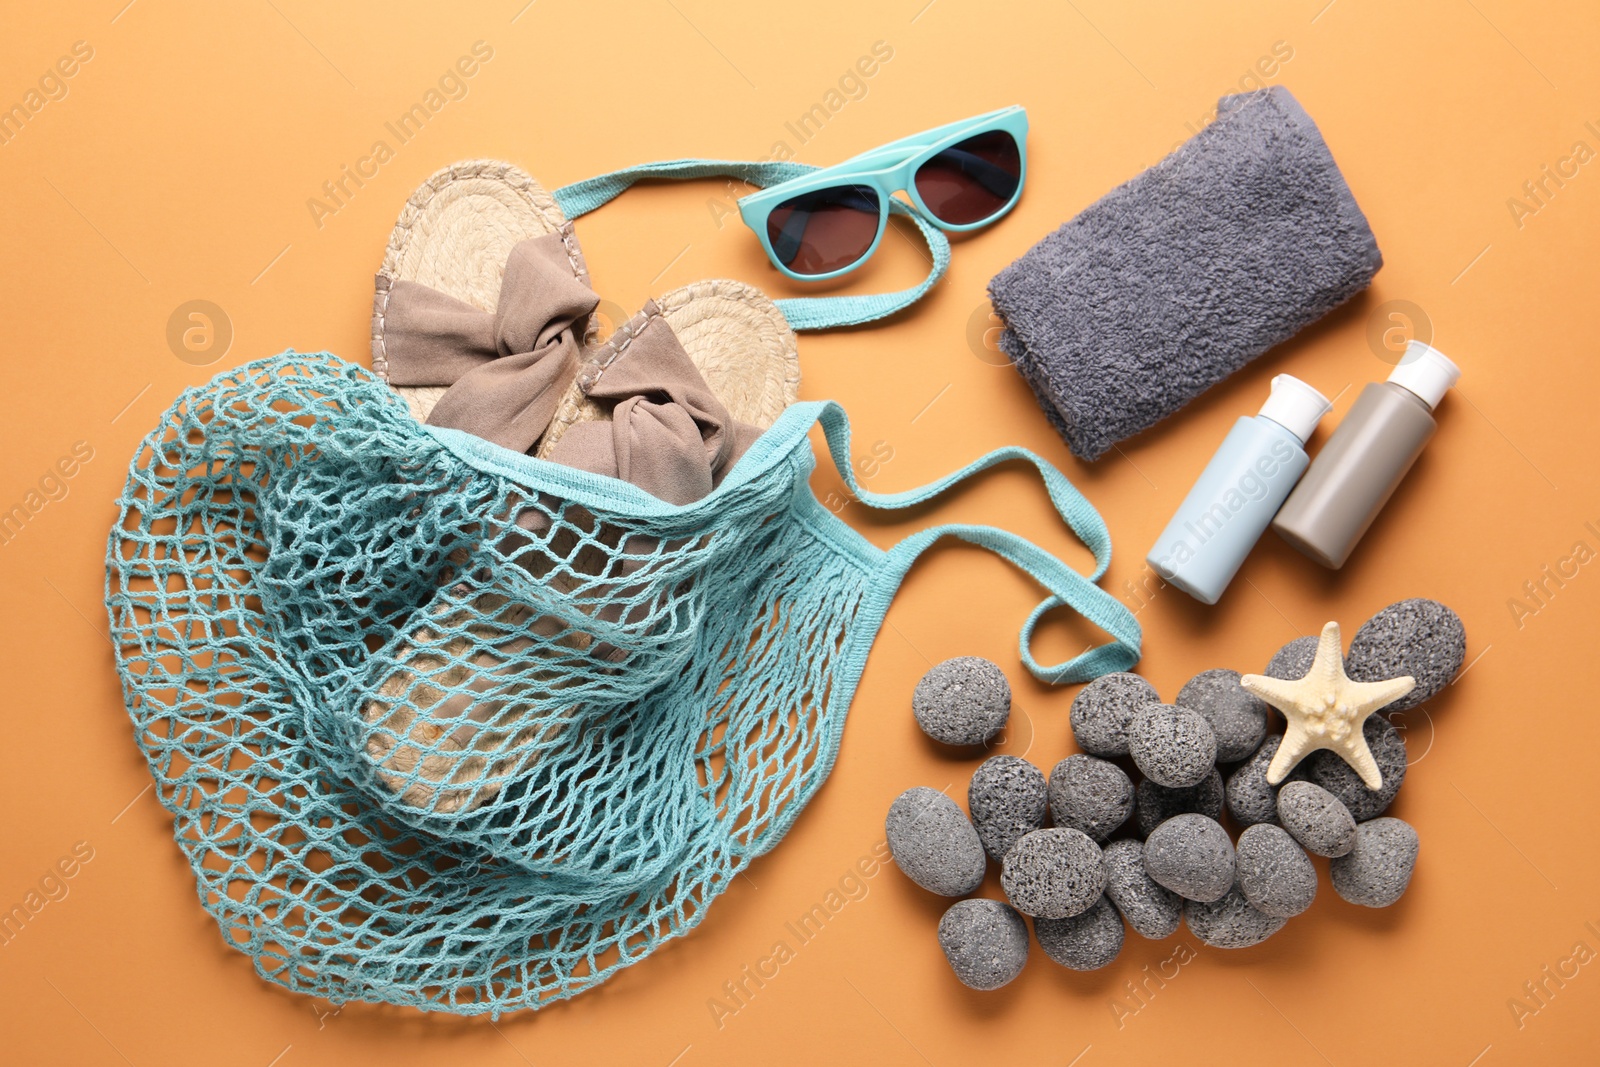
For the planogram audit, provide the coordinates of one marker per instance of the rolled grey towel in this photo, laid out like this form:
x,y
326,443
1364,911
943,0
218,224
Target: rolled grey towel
x,y
1174,280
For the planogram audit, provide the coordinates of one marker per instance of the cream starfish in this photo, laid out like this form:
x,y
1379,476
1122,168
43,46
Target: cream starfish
x,y
1325,709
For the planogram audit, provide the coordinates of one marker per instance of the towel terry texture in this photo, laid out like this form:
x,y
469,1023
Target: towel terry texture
x,y
1174,280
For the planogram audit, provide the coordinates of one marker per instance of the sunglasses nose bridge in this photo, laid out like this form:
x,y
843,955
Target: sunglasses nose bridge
x,y
899,182
896,179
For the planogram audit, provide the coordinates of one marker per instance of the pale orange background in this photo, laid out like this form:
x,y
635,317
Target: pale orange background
x,y
179,165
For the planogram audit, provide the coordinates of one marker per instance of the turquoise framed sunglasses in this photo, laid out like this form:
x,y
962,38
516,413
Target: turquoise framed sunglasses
x,y
959,177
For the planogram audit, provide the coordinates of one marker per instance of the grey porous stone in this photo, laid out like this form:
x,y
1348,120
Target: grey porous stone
x,y
1422,638
1293,661
1155,804
1101,711
1090,794
962,701
1054,873
933,843
1231,922
1238,718
985,941
1151,909
1250,799
1085,942
1007,798
1192,856
1316,818
1172,746
1376,872
1275,875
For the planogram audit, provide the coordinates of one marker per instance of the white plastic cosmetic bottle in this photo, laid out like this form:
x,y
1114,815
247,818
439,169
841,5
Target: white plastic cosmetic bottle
x,y
1239,492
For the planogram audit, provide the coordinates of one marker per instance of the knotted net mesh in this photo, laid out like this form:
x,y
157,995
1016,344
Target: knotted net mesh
x,y
441,734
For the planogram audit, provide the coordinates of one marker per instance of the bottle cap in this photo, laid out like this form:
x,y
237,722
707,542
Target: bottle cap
x,y
1295,406
1425,371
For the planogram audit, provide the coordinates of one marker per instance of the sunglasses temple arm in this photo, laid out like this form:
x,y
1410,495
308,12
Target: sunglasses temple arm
x,y
825,312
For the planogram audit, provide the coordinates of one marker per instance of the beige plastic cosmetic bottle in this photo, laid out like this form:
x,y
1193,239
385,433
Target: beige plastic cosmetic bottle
x,y
1366,457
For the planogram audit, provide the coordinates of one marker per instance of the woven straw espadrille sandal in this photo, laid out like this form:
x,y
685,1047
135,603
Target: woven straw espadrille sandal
x,y
462,705
456,232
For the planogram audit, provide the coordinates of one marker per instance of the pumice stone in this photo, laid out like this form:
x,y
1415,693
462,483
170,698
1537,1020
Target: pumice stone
x,y
1085,942
1238,719
962,701
1275,876
1231,922
1102,710
1337,777
1155,804
1090,794
985,941
1293,661
1008,798
1174,747
1192,856
1376,872
933,844
1250,798
1054,873
1151,909
1316,819
1422,638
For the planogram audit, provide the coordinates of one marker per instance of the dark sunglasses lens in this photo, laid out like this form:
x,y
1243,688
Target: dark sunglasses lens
x,y
824,230
973,180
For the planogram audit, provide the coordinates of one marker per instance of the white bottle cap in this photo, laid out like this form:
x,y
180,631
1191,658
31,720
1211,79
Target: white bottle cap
x,y
1425,371
1295,406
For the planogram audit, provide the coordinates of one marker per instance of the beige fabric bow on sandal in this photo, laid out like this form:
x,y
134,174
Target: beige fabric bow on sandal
x,y
507,371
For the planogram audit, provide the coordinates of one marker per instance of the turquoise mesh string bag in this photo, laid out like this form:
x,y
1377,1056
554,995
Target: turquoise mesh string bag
x,y
301,573
447,726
